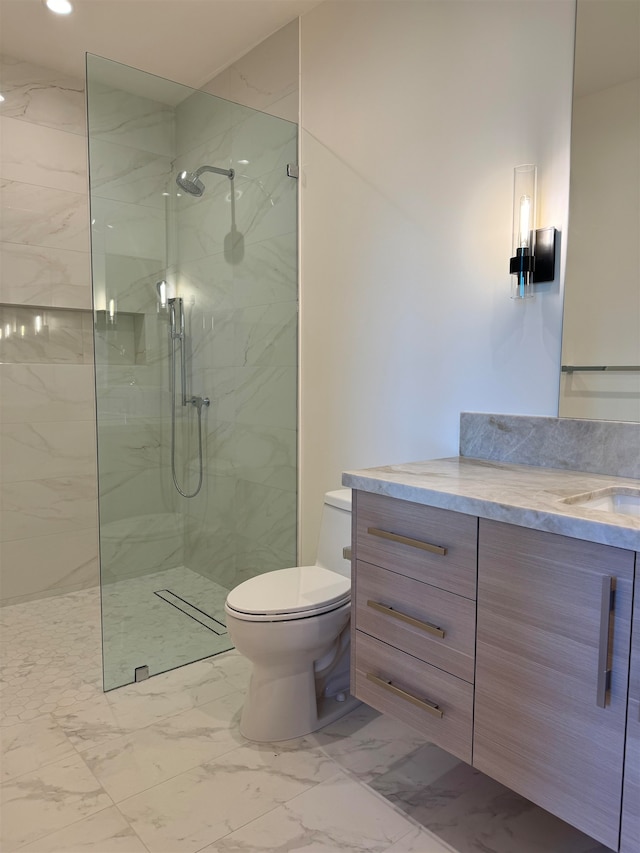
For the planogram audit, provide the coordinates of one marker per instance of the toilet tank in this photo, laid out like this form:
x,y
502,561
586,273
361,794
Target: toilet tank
x,y
335,532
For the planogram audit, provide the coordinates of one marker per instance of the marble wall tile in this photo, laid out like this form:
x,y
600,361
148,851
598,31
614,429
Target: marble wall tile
x,y
266,455
46,392
130,120
134,230
264,75
267,396
34,336
42,96
132,391
40,275
126,174
219,384
265,526
43,156
268,272
39,216
207,281
124,493
210,529
599,447
267,335
140,544
263,143
36,451
212,146
57,562
104,832
131,445
264,208
48,799
201,118
42,507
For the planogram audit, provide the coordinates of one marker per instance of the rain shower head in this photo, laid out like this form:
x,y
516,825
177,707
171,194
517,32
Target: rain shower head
x,y
190,181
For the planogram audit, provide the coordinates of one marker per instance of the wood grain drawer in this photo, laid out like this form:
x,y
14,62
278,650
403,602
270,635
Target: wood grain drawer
x,y
452,731
385,599
384,524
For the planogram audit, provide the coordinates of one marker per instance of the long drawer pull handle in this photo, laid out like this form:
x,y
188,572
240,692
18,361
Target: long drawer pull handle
x,y
404,540
604,672
424,704
397,614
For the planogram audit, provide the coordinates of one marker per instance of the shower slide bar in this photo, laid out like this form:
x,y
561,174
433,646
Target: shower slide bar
x,y
177,333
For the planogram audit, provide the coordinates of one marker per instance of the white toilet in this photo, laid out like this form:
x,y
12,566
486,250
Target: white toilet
x,y
293,625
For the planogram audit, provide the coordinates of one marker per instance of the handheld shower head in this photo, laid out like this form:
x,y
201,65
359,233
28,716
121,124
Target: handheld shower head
x,y
190,181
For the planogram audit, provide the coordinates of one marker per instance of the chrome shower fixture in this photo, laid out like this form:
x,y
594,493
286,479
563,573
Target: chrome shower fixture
x,y
177,333
190,181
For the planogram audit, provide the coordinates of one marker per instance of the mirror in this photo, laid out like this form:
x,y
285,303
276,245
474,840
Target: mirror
x,y
601,327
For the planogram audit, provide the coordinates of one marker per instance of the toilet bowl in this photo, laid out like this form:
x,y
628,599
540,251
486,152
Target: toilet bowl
x,y
293,625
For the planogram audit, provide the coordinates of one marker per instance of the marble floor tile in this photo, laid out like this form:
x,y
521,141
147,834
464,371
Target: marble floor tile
x,y
475,814
170,748
40,802
206,803
419,841
128,709
104,832
367,743
152,755
338,815
28,746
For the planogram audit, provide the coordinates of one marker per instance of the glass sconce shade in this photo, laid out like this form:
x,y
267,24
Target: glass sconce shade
x,y
524,228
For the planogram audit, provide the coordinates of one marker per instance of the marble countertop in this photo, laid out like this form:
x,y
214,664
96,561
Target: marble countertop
x,y
517,494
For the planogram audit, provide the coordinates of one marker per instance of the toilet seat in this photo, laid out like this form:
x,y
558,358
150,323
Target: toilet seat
x,y
283,594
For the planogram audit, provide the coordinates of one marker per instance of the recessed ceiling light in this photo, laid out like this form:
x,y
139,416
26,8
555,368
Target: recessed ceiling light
x,y
60,7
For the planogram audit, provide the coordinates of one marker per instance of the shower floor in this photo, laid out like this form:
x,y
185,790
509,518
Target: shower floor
x,y
161,620
52,648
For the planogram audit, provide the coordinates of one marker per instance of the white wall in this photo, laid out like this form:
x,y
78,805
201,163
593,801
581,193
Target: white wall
x,y
413,115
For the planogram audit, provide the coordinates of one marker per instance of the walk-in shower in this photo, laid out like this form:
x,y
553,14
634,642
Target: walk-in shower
x,y
195,321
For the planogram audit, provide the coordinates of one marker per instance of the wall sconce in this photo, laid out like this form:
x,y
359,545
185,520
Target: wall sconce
x,y
534,249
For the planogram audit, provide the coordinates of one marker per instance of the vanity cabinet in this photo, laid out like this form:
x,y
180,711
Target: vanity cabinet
x,y
630,834
508,647
413,633
553,617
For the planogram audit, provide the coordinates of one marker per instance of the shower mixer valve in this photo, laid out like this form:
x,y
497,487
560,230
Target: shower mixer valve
x,y
199,402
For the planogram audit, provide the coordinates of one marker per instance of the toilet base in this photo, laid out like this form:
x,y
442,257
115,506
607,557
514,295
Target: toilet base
x,y
286,708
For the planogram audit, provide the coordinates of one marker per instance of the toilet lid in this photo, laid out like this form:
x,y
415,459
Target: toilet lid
x,y
301,590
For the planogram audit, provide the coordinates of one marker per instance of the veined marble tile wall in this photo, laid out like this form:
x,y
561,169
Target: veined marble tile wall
x,y
238,276
48,510
132,142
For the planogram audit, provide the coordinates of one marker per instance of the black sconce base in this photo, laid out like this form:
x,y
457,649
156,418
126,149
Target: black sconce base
x,y
545,266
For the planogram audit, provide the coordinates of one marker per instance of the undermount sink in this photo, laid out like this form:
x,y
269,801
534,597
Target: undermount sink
x,y
625,501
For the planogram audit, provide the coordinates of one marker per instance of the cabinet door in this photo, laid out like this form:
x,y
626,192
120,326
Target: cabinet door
x,y
544,633
630,836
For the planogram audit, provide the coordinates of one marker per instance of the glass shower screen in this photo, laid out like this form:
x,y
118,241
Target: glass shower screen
x,y
194,263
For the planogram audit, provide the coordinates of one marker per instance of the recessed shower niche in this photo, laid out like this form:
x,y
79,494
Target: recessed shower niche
x,y
195,325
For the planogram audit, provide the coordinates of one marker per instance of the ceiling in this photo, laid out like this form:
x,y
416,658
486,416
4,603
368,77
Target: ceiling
x,y
188,41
